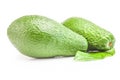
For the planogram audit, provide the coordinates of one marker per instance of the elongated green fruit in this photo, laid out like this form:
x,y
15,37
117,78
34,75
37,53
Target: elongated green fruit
x,y
83,56
39,37
97,37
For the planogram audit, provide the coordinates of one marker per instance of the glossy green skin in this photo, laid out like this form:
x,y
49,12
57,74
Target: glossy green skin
x,y
97,37
83,56
40,37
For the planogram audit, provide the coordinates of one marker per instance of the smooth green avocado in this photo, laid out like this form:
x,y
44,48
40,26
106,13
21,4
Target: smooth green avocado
x,y
97,37
40,37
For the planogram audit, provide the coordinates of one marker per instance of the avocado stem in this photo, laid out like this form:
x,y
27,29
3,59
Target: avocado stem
x,y
110,44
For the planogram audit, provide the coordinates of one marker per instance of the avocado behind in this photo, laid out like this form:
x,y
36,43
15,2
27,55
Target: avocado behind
x,y
40,37
97,37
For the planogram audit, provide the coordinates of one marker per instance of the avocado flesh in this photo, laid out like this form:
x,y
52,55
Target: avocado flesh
x,y
40,37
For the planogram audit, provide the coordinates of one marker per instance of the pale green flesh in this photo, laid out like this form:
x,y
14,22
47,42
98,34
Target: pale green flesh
x,y
89,56
40,37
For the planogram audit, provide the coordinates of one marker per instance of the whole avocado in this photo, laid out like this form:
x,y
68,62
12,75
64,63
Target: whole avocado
x,y
40,37
97,37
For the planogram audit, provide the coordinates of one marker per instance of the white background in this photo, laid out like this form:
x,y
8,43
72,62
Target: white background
x,y
15,66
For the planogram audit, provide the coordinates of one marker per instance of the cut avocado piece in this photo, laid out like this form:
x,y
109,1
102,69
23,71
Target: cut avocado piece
x,y
97,37
41,37
89,56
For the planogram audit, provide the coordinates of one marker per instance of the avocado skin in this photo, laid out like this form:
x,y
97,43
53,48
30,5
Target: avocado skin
x,y
40,37
97,37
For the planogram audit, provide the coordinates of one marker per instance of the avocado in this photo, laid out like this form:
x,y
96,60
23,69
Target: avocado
x,y
89,56
97,37
40,37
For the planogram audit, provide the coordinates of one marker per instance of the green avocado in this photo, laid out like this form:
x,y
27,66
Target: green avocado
x,y
97,37
41,37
